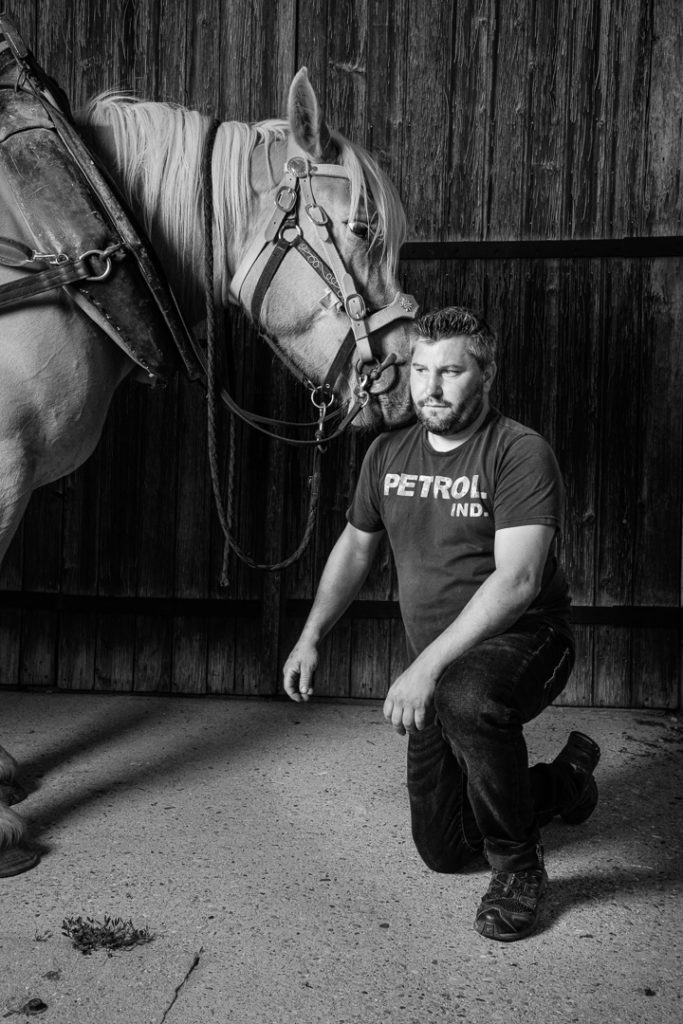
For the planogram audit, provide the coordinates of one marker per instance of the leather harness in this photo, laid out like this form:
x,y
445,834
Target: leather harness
x,y
34,107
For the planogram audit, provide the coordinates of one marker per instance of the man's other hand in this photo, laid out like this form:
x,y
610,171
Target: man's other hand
x,y
408,703
299,671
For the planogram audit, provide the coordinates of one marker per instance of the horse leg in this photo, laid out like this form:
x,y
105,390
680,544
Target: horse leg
x,y
10,790
15,491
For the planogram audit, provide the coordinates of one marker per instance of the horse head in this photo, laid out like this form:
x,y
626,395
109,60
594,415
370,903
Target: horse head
x,y
318,275
307,233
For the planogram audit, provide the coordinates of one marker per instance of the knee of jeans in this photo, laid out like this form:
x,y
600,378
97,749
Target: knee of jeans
x,y
456,702
464,707
444,861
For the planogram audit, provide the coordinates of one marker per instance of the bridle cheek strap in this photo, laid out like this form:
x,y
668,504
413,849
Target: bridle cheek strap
x,y
354,304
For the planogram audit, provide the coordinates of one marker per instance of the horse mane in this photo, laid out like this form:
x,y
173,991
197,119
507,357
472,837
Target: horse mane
x,y
155,150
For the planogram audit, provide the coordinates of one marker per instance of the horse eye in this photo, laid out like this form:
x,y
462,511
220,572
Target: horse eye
x,y
359,227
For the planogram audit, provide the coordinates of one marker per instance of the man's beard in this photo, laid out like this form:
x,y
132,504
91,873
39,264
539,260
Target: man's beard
x,y
447,419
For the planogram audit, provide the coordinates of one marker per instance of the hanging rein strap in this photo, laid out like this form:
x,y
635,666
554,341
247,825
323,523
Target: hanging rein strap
x,y
225,513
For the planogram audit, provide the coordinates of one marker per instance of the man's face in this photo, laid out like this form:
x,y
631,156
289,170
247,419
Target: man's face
x,y
448,388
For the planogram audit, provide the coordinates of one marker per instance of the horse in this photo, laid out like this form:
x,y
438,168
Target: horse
x,y
295,185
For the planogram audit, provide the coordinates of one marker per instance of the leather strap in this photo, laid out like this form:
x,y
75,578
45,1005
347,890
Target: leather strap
x,y
15,254
43,281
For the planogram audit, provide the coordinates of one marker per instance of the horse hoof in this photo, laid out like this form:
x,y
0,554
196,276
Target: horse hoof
x,y
17,859
11,793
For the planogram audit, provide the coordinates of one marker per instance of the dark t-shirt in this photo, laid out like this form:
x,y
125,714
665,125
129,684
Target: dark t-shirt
x,y
441,511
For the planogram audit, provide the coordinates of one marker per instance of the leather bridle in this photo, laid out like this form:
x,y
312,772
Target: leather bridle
x,y
279,234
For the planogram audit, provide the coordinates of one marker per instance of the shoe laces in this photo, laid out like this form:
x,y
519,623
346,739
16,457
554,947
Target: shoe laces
x,y
520,887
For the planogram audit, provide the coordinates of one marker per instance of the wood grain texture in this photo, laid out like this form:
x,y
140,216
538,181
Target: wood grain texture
x,y
497,121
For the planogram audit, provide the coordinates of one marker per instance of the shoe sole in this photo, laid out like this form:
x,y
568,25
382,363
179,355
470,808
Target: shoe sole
x,y
487,931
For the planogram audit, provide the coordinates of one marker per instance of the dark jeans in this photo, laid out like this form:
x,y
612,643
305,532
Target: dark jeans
x,y
469,781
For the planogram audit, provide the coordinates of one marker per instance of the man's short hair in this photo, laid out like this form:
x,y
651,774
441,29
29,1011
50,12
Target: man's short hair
x,y
456,321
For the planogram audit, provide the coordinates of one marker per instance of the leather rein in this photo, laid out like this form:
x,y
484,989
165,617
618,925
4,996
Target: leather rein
x,y
279,234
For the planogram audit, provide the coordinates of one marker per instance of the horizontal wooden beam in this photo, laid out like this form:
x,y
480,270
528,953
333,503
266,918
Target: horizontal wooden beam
x,y
630,616
548,249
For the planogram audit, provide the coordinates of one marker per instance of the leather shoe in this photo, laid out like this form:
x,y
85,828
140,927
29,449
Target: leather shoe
x,y
511,908
582,754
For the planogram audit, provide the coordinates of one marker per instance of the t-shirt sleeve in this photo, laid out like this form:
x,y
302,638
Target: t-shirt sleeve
x,y
529,488
364,511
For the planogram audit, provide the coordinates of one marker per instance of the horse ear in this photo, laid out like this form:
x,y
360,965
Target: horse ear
x,y
306,121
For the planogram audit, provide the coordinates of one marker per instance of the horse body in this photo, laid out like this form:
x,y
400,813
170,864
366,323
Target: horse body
x,y
58,373
59,369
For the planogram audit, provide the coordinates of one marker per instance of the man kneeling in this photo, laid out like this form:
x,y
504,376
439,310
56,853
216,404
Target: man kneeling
x,y
472,504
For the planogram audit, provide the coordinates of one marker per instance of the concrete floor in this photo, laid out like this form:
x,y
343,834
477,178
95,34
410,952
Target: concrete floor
x,y
266,846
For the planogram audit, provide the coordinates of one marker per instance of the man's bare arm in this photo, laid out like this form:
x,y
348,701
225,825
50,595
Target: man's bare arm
x,y
342,578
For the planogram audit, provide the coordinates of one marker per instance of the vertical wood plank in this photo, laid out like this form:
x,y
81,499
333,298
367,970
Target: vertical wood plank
x,y
472,95
659,497
662,203
508,163
10,646
114,653
41,565
425,139
337,666
579,689
119,458
224,642
188,672
386,50
76,650
191,542
370,647
156,423
347,68
153,654
617,475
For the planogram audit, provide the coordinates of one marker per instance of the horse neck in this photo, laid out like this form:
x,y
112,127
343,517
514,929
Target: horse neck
x,y
154,152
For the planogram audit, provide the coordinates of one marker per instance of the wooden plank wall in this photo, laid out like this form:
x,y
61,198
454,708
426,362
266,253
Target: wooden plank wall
x,y
498,121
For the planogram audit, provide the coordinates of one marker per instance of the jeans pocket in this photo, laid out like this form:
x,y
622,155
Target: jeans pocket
x,y
556,682
547,672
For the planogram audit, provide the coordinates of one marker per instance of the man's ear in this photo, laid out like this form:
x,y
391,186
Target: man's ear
x,y
306,121
490,376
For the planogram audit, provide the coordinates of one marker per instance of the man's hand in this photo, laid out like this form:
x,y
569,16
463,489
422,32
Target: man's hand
x,y
299,671
408,705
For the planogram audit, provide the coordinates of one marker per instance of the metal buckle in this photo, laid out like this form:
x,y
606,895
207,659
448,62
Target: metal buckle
x,y
355,306
317,214
286,199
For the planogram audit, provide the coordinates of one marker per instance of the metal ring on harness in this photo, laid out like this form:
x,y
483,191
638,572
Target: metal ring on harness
x,y
369,377
293,227
100,255
318,396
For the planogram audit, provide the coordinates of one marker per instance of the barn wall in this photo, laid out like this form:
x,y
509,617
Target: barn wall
x,y
516,122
